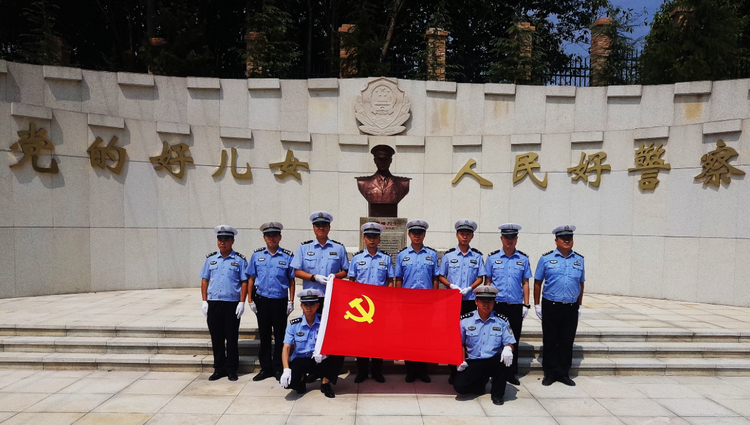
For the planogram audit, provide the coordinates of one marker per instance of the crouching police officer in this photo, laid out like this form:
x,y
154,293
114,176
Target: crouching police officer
x,y
299,344
488,341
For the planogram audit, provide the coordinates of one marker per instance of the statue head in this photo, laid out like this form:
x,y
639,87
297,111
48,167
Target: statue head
x,y
383,156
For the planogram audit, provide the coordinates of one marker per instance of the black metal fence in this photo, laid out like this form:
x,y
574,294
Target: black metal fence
x,y
576,73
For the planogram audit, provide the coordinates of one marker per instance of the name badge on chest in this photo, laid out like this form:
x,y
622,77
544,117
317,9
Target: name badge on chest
x,y
300,334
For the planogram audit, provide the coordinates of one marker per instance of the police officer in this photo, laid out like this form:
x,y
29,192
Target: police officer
x,y
271,278
299,345
563,275
371,266
462,268
224,288
417,267
488,341
319,258
508,270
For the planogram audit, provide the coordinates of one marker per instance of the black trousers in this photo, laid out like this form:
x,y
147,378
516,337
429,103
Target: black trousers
x,y
466,307
271,321
224,327
363,366
514,313
329,368
559,325
473,379
416,368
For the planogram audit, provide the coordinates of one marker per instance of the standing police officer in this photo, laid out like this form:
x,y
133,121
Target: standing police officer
x,y
462,268
299,345
508,270
488,340
563,275
373,267
271,279
417,267
224,288
317,259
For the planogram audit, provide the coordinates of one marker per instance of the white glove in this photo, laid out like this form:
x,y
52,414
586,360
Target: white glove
x,y
580,310
453,286
525,312
240,309
289,308
254,308
466,290
462,366
538,309
204,308
286,378
331,277
321,279
507,356
319,357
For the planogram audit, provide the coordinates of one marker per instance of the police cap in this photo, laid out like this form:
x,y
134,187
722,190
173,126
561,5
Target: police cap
x,y
309,296
321,217
564,231
465,225
371,229
509,230
485,292
417,226
224,231
271,228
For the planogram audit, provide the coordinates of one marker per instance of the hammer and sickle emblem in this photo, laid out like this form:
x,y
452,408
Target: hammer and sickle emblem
x,y
365,316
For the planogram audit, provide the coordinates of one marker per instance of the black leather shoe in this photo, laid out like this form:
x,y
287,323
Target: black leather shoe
x,y
360,378
512,380
263,374
327,390
547,381
567,381
217,375
497,401
410,377
425,378
232,376
277,375
378,377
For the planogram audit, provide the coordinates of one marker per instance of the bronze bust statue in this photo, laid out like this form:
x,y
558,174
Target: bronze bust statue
x,y
382,190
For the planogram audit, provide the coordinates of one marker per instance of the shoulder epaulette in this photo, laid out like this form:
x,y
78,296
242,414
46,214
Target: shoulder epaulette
x,y
337,242
402,249
260,249
477,251
430,248
450,250
523,253
385,253
287,252
578,254
306,242
467,315
213,253
501,316
297,320
358,252
494,252
547,253
240,255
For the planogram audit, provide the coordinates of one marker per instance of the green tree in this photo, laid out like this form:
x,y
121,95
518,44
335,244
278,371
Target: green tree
x,y
614,67
43,44
701,42
518,62
275,54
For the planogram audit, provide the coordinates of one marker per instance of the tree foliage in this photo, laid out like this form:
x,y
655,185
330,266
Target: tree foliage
x,y
275,54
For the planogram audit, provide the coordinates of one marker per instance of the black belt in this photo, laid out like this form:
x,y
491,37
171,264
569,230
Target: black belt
x,y
560,302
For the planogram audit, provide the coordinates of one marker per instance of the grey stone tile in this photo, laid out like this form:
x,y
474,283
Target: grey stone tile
x,y
694,407
165,376
634,407
43,418
150,386
583,420
114,419
717,421
212,388
321,420
69,403
436,405
389,420
654,420
39,385
555,390
97,386
532,420
257,419
10,402
455,420
128,403
211,405
573,407
738,405
388,405
521,407
258,405
666,391
314,403
186,419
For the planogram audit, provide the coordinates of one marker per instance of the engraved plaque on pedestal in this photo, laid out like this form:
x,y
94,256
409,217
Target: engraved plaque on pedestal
x,y
393,237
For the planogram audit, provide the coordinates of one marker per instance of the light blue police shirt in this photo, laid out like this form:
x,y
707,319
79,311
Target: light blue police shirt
x,y
485,339
507,275
302,336
562,276
371,269
271,272
323,260
417,268
225,275
462,270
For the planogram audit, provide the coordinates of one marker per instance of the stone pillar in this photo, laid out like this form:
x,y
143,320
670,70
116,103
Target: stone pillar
x,y
436,53
347,54
254,45
524,34
601,43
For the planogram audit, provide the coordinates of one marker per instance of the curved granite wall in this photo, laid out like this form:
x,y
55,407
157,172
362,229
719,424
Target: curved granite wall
x,y
88,229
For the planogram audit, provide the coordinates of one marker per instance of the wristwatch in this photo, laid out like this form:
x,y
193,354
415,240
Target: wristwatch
x,y
527,305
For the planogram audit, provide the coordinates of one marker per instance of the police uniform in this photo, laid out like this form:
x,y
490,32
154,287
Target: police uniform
x,y
225,276
507,274
484,341
372,270
322,260
273,276
463,269
302,336
417,270
563,278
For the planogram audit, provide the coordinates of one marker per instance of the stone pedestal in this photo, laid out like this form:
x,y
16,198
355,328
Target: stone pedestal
x,y
393,237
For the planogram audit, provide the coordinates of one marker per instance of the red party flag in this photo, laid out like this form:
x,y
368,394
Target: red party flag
x,y
361,320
